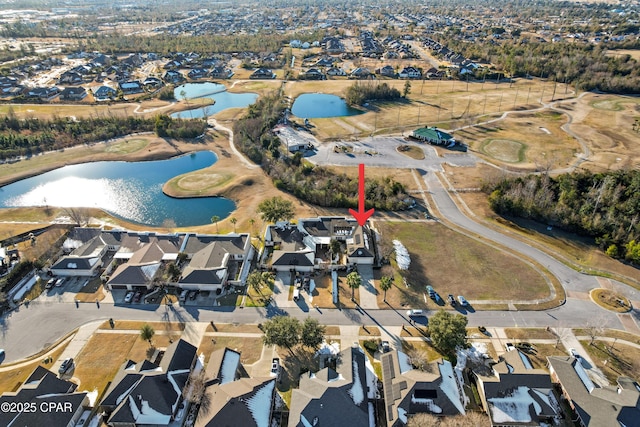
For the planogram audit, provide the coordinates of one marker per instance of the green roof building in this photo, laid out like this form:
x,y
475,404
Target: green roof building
x,y
433,136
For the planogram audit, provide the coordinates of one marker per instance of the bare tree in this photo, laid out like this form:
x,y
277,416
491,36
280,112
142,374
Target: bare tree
x,y
595,328
78,215
195,391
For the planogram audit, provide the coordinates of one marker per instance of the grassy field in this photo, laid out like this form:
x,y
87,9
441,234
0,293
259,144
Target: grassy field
x,y
456,264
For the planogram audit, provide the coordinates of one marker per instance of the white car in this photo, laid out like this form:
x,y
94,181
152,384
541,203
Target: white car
x,y
129,296
415,313
574,353
462,301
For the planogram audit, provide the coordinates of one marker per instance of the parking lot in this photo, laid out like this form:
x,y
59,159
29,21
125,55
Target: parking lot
x,y
382,152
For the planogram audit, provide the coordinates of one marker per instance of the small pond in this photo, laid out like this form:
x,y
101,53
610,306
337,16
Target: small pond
x,y
321,105
215,91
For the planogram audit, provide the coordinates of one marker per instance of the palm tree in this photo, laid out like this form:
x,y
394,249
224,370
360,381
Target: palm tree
x,y
385,285
233,221
215,219
147,332
353,281
252,222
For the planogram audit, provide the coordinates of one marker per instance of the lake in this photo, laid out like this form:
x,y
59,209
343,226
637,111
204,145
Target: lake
x,y
128,190
215,91
321,105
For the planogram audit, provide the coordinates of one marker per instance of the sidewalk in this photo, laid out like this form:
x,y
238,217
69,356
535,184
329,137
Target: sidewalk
x,y
77,342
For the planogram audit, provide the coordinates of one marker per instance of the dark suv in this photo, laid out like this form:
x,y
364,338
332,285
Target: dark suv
x,y
451,300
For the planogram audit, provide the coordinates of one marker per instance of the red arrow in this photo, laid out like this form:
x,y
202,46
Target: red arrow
x,y
361,215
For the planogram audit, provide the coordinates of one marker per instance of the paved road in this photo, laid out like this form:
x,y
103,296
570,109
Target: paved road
x,y
30,329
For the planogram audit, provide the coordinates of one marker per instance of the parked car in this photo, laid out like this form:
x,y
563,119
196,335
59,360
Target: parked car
x,y
463,302
384,345
66,365
137,296
451,299
128,297
183,295
193,295
1,354
431,292
275,367
509,347
574,353
415,313
50,283
59,282
298,282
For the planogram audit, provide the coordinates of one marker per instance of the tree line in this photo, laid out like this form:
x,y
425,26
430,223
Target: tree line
x,y
605,206
584,65
314,184
29,136
361,92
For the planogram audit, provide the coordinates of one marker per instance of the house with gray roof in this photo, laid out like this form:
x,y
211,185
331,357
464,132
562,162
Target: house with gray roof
x,y
235,400
409,391
43,389
516,394
145,393
617,405
341,391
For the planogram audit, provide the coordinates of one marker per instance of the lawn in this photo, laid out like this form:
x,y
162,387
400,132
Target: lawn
x,y
10,380
100,359
525,334
92,291
456,264
250,349
233,327
323,296
615,359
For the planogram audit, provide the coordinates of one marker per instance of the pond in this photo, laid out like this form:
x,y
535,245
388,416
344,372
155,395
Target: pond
x,y
128,190
215,91
321,105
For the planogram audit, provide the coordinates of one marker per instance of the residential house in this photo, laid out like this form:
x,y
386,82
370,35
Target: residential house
x,y
304,247
361,73
134,60
326,61
409,391
173,76
342,391
197,73
43,389
43,93
70,78
131,87
410,73
82,261
386,71
146,393
312,74
139,257
101,60
235,401
516,394
263,73
104,93
221,72
215,261
335,71
593,405
73,93
152,82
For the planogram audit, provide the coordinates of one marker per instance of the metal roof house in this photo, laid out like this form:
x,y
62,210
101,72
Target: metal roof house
x,y
434,135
